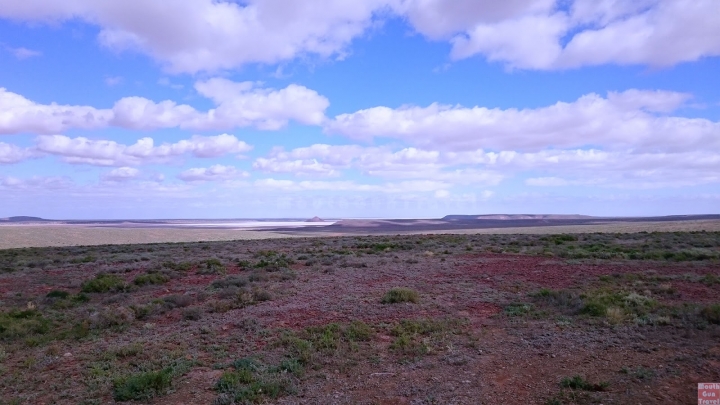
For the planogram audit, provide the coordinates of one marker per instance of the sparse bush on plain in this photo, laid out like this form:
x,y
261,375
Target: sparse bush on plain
x,y
18,324
178,300
711,313
151,278
110,317
103,283
58,294
142,386
578,383
212,266
398,295
192,313
230,281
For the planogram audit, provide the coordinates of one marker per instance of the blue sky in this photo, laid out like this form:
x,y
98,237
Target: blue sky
x,y
371,108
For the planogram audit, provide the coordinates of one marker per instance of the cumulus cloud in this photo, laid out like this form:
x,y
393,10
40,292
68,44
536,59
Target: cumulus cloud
x,y
410,186
237,105
82,150
212,173
548,34
13,154
527,42
20,115
243,104
44,183
404,164
439,19
657,32
546,182
121,174
208,35
471,168
297,167
629,119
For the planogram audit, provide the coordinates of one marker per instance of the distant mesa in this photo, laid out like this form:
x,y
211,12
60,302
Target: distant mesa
x,y
24,219
315,219
506,217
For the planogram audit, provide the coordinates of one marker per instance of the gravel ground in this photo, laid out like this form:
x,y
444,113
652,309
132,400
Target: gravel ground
x,y
68,235
19,236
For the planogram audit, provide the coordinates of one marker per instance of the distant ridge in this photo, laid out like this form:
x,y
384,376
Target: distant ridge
x,y
24,219
514,217
315,219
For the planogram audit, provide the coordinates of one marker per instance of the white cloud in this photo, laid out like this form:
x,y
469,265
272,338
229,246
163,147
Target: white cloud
x,y
243,104
195,35
442,194
20,115
527,42
530,34
24,53
212,173
121,174
411,186
113,80
82,150
14,154
207,35
439,19
237,105
621,120
297,167
624,168
404,164
658,33
44,183
546,182
164,81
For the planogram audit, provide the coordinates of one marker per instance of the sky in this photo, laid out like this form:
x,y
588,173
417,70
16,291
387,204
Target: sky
x,y
364,108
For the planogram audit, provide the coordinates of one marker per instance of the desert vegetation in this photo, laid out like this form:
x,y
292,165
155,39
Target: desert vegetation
x,y
424,319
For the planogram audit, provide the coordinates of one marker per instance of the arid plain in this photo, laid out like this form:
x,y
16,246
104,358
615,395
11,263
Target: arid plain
x,y
575,314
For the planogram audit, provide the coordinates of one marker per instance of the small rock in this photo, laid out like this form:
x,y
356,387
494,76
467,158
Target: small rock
x,y
68,354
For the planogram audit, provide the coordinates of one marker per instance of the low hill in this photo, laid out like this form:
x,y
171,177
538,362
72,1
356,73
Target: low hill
x,y
24,219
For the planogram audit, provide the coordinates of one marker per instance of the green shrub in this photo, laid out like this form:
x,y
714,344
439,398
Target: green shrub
x,y
192,313
151,278
182,266
257,391
517,309
229,281
359,331
103,283
261,295
711,313
289,366
18,324
397,295
80,297
326,337
58,294
579,383
142,386
598,303
274,262
212,266
177,300
230,380
710,279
